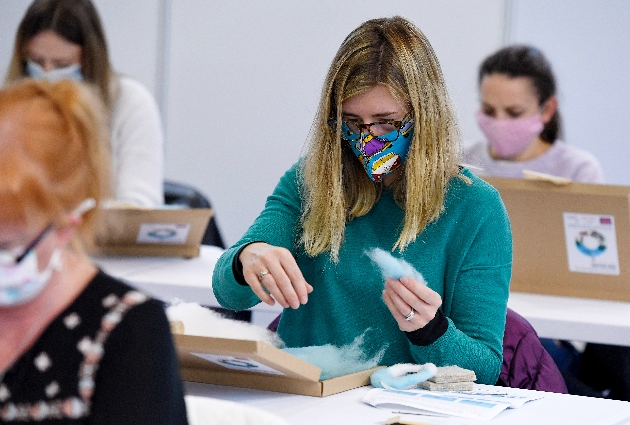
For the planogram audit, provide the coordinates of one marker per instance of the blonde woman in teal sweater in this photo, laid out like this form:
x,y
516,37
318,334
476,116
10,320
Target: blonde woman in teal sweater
x,y
382,170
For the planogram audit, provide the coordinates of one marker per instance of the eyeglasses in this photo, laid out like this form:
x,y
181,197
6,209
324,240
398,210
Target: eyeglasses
x,y
9,258
384,130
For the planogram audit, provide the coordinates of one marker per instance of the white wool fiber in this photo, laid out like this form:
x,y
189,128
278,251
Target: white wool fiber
x,y
202,321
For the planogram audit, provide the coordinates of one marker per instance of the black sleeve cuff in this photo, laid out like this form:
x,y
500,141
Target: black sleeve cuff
x,y
431,331
237,267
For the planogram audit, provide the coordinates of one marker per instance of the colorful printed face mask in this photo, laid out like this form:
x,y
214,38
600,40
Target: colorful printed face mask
x,y
72,72
380,155
510,137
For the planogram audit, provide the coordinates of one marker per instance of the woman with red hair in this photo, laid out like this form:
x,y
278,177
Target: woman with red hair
x,y
76,345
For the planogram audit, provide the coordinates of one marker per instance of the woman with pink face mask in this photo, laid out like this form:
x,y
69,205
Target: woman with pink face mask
x,y
519,117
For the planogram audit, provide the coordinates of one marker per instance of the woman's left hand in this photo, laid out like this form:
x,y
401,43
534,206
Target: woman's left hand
x,y
407,295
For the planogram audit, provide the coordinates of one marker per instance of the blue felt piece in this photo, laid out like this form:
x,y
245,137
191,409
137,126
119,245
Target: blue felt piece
x,y
391,266
402,376
337,361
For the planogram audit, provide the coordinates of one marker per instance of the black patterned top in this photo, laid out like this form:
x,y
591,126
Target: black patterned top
x,y
106,359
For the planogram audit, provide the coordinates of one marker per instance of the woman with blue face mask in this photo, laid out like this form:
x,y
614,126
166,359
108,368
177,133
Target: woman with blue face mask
x,y
519,117
381,171
76,345
64,39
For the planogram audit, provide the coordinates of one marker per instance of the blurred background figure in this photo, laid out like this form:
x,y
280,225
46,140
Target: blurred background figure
x,y
76,345
520,118
59,39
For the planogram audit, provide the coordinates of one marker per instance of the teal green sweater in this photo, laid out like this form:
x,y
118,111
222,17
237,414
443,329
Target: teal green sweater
x,y
465,256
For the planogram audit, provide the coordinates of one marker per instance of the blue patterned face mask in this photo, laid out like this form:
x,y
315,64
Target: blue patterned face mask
x,y
72,72
380,155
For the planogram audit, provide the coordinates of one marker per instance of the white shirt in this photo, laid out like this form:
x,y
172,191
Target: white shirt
x,y
137,142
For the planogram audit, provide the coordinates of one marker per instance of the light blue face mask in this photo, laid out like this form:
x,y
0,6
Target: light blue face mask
x,y
72,72
20,283
380,155
20,277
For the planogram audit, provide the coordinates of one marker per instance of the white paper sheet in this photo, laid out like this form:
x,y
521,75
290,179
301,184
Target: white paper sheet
x,y
479,404
591,243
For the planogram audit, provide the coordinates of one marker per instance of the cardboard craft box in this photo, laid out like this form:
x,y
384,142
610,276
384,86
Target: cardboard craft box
x,y
151,232
568,239
257,365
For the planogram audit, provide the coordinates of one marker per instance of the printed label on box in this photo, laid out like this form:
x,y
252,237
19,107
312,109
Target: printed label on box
x,y
163,233
591,243
238,363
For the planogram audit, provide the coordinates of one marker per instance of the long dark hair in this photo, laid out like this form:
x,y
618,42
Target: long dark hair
x,y
527,61
78,22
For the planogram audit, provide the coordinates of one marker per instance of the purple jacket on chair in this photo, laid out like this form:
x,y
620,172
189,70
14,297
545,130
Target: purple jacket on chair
x,y
526,363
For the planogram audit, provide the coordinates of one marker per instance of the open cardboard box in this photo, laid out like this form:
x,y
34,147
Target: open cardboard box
x,y
568,239
258,365
151,232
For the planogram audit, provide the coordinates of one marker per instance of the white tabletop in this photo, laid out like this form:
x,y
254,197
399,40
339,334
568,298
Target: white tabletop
x,y
186,279
581,319
348,409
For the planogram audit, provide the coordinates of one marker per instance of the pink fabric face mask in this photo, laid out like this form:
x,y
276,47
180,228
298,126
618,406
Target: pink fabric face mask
x,y
510,137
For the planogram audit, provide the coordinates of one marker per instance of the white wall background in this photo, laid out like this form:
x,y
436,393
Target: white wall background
x,y
244,80
133,29
238,81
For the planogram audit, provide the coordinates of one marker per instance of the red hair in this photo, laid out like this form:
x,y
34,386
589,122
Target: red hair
x,y
53,152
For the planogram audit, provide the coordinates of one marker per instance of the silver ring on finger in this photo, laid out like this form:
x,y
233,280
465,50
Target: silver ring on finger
x,y
261,275
410,315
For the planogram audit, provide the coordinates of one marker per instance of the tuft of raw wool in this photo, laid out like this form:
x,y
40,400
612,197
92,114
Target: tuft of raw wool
x,y
202,321
338,361
391,266
402,376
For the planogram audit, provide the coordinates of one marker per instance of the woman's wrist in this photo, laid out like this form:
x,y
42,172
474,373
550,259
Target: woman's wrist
x,y
237,266
431,332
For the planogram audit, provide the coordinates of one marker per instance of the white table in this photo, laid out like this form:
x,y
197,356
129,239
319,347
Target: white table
x,y
186,279
346,408
581,319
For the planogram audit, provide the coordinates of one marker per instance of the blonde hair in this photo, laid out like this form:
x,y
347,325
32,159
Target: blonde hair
x,y
395,53
53,153
78,22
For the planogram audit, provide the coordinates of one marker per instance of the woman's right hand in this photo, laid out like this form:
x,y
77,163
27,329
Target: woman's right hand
x,y
282,279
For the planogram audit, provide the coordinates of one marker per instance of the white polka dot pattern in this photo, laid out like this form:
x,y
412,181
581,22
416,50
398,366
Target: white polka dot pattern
x,y
92,350
72,320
